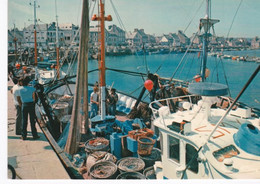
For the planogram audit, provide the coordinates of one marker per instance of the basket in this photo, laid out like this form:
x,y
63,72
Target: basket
x,y
149,160
130,164
144,132
97,144
145,146
131,175
103,170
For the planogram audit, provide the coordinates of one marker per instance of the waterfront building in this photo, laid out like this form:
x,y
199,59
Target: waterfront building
x,y
184,40
255,43
28,34
166,40
70,34
51,36
94,32
137,38
20,42
151,39
197,40
116,36
134,39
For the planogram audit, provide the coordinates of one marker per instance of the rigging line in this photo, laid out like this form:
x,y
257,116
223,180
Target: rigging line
x,y
160,66
194,16
190,66
118,16
124,71
136,89
122,24
183,56
183,66
215,69
225,76
234,18
145,61
91,14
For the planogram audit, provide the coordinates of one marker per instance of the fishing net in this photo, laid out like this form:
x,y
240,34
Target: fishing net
x,y
103,170
131,164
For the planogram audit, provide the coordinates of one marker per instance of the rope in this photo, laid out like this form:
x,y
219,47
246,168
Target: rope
x,y
194,16
225,76
190,66
234,18
183,56
136,89
127,72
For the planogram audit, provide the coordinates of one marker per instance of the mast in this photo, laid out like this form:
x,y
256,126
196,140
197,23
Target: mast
x,y
79,117
102,68
35,35
57,42
206,23
15,44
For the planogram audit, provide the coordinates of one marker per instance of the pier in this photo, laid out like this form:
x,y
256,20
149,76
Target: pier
x,y
31,159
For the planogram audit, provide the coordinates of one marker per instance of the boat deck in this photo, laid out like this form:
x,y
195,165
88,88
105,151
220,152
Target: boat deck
x,y
32,159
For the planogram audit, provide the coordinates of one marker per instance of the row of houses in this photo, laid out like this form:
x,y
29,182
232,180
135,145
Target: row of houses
x,y
68,34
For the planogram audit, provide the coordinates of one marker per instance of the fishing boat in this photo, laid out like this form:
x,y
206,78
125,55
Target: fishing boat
x,y
63,107
206,135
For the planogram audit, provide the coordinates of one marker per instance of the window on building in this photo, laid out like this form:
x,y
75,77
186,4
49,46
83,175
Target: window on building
x,y
190,152
10,44
174,149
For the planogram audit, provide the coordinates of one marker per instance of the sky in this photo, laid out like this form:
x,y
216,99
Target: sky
x,y
154,16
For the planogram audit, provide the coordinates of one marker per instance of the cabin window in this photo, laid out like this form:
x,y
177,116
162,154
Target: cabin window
x,y
190,152
174,149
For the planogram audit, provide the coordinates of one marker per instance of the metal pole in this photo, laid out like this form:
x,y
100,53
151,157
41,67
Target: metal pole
x,y
205,44
102,61
35,40
57,43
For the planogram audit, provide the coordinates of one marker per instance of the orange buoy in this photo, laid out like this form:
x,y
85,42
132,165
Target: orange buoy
x,y
148,84
24,67
207,72
17,66
197,78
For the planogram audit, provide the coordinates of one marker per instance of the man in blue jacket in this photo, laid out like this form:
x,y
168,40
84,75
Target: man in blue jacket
x,y
26,99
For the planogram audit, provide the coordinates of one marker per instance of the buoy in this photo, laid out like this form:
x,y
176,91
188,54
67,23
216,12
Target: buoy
x,y
24,68
17,65
207,72
148,84
197,78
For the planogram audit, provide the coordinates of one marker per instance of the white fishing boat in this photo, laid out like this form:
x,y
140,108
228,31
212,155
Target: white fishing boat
x,y
232,152
198,138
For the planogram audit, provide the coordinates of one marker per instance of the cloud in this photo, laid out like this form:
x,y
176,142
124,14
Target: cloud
x,y
18,7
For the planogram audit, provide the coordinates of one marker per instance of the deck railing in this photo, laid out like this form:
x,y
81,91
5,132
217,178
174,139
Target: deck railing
x,y
174,104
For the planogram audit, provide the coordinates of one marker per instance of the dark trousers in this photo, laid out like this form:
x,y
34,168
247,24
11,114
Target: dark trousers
x,y
18,122
112,109
28,109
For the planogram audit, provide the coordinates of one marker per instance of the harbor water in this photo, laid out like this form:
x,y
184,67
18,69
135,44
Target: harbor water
x,y
236,73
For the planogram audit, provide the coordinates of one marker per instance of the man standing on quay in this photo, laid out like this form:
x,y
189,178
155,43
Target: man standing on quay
x,y
26,99
18,122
